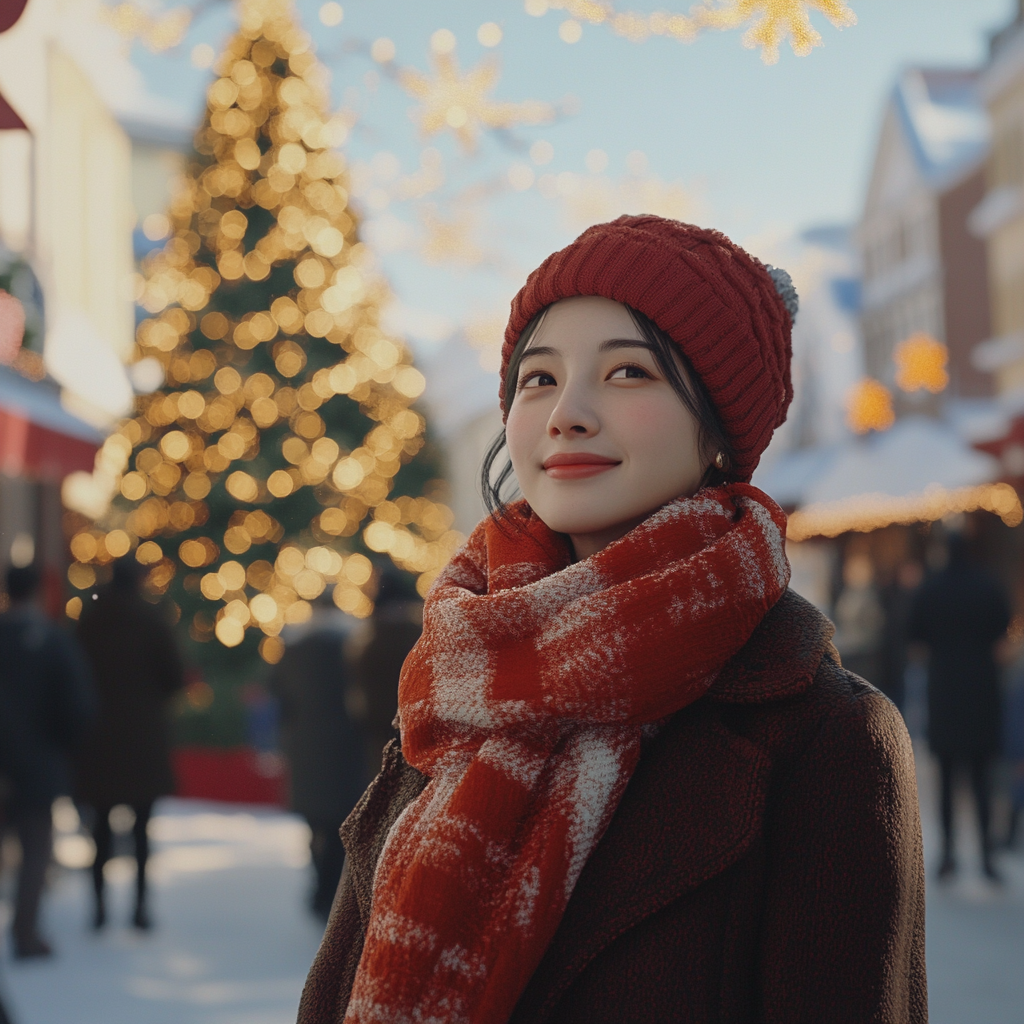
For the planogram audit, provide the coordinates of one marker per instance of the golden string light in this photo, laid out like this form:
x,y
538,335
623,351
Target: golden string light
x,y
867,512
202,491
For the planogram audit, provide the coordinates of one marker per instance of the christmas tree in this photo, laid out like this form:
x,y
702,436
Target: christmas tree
x,y
280,451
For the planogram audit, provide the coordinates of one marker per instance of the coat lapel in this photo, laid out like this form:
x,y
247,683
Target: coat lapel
x,y
365,831
692,808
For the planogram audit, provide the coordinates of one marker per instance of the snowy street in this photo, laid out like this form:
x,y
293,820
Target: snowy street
x,y
975,931
233,941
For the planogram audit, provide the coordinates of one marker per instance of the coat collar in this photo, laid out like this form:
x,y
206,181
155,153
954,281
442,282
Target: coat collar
x,y
782,656
677,826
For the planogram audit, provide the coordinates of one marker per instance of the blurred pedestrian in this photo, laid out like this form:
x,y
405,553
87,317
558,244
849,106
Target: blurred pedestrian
x,y
961,613
1014,749
322,744
394,628
859,619
896,598
46,702
127,759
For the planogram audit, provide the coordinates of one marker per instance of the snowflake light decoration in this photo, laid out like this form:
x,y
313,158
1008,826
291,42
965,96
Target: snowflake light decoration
x,y
460,103
775,20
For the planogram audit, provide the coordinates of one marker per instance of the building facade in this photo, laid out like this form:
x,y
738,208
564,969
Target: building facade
x,y
998,219
924,270
84,156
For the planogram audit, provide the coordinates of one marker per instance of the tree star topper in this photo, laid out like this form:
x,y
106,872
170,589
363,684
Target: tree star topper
x,y
459,102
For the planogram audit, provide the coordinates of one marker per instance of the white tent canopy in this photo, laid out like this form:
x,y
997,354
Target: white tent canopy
x,y
919,471
916,455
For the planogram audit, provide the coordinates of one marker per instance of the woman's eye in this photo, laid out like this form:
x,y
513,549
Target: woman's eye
x,y
538,379
629,372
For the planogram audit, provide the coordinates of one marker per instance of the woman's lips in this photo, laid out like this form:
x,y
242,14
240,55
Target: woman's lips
x,y
577,465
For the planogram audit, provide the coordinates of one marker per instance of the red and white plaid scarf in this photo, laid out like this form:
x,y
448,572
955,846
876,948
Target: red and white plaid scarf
x,y
525,703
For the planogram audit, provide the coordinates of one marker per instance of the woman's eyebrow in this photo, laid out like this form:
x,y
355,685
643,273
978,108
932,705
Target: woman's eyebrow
x,y
540,350
605,346
615,343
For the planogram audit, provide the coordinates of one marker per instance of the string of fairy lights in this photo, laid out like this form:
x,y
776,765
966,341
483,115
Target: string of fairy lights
x,y
770,22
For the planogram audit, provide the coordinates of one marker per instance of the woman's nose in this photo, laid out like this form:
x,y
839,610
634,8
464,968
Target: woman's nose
x,y
573,416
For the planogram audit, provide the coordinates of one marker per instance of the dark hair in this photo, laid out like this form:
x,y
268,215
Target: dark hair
x,y
711,435
22,582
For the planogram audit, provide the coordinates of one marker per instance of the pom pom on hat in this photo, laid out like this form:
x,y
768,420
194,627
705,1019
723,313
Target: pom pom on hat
x,y
731,315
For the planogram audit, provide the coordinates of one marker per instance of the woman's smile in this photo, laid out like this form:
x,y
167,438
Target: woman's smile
x,y
578,465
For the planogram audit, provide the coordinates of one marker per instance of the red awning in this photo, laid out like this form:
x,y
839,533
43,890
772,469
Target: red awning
x,y
38,436
27,448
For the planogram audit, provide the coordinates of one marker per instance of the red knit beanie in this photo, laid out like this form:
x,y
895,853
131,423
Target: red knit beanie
x,y
718,303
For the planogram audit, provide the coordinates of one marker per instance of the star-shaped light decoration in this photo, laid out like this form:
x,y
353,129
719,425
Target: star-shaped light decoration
x,y
869,406
775,21
460,103
921,363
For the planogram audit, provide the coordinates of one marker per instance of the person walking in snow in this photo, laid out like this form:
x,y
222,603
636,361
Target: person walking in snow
x,y
322,744
46,705
633,783
393,629
960,614
127,759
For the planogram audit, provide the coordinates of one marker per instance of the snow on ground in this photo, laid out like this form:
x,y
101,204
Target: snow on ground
x,y
232,943
975,931
233,940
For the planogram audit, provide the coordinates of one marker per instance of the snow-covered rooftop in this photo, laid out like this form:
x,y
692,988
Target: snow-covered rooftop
x,y
944,119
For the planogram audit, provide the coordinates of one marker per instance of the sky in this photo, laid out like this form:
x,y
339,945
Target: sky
x,y
757,151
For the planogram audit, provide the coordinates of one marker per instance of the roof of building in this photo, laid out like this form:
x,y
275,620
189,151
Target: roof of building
x,y
943,118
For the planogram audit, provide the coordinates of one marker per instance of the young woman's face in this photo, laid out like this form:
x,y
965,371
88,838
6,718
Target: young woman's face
x,y
597,436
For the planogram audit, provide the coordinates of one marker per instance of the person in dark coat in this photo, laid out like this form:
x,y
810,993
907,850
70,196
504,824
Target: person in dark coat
x,y
46,704
722,888
960,613
127,759
897,597
1013,750
395,626
321,743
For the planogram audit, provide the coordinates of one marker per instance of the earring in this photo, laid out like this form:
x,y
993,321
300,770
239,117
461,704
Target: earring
x,y
720,460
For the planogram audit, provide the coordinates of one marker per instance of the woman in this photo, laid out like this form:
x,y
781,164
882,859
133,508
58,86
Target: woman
x,y
634,782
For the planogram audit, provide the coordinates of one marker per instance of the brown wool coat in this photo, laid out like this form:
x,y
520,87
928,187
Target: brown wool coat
x,y
763,867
